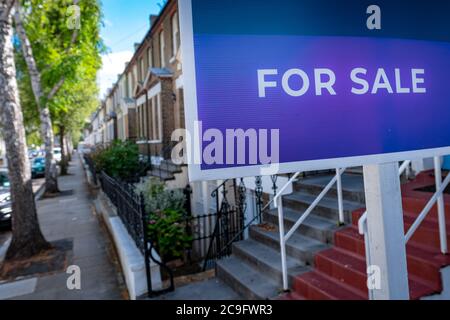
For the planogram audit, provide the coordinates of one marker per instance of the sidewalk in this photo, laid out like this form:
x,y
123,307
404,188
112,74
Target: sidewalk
x,y
70,217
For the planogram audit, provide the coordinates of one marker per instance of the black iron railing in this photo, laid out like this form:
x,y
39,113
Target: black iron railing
x,y
91,166
213,235
223,238
131,210
229,222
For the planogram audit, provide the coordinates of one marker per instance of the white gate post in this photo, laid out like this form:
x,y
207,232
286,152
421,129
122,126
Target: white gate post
x,y
386,231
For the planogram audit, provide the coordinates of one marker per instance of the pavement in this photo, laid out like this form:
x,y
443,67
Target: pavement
x,y
71,217
212,289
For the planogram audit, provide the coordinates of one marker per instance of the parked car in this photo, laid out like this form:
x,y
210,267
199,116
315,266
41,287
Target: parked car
x,y
32,154
57,154
37,167
5,201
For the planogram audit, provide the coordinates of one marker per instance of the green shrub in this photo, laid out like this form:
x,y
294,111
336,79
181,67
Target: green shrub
x,y
120,160
157,198
167,230
166,218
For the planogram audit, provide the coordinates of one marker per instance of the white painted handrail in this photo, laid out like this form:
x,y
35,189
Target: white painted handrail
x,y
313,205
281,191
279,204
426,211
340,196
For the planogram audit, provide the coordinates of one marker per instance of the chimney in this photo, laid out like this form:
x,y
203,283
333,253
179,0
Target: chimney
x,y
153,19
136,45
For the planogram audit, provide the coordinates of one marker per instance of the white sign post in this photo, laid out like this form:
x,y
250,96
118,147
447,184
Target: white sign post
x,y
386,231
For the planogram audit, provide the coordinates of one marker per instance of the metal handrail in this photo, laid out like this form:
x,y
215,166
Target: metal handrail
x,y
279,204
425,213
280,192
313,205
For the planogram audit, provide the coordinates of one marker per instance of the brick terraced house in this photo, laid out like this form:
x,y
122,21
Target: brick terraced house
x,y
325,256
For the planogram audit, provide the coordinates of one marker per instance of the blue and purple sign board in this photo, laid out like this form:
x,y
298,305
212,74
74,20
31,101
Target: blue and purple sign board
x,y
313,84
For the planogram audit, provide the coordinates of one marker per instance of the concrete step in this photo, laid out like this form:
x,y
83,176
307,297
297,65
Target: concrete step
x,y
327,208
161,174
314,226
267,260
168,165
245,280
352,186
298,247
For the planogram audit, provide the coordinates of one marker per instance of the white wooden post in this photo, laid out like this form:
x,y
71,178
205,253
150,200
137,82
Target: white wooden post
x,y
440,206
282,242
386,231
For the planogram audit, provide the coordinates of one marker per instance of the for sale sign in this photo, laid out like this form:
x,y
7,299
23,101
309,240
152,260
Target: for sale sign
x,y
279,86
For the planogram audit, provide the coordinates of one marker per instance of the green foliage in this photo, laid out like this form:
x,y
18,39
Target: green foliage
x,y
120,160
169,233
62,52
166,227
157,198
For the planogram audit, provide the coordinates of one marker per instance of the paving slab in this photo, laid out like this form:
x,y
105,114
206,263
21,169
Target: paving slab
x,y
213,289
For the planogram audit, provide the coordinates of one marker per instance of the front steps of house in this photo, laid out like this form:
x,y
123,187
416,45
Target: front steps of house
x,y
340,271
166,170
254,269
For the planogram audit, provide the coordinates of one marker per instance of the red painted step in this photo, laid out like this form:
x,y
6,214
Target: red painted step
x,y
344,267
422,261
340,272
291,296
350,269
319,286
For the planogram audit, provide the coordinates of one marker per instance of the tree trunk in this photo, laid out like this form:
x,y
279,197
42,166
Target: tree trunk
x,y
69,147
51,174
27,238
63,162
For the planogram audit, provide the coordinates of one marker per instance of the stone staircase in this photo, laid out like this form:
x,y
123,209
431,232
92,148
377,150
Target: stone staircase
x,y
339,272
166,170
254,269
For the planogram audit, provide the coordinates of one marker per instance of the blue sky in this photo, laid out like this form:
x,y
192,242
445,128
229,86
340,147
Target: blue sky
x,y
125,22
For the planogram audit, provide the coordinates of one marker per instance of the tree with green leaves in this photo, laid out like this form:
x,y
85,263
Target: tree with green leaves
x,y
57,38
57,61
70,110
27,239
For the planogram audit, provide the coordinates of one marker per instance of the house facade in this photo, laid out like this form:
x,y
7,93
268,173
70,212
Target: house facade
x,y
146,105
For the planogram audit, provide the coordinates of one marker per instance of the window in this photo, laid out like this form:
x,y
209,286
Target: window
x,y
175,34
144,120
129,86
156,132
150,58
150,119
142,69
141,131
162,47
135,71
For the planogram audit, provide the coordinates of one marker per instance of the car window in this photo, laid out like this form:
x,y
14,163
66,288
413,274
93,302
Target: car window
x,y
38,161
4,181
